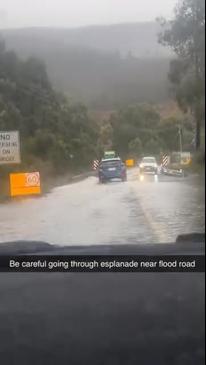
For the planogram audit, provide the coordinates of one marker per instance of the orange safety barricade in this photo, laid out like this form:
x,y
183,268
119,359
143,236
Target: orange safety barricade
x,y
25,184
129,163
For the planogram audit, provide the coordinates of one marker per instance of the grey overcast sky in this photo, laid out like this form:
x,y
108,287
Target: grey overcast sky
x,y
74,13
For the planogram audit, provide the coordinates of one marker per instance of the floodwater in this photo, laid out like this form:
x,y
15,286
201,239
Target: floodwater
x,y
88,213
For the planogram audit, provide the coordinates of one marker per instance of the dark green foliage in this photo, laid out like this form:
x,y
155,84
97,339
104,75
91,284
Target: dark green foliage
x,y
139,130
186,36
51,130
131,123
135,147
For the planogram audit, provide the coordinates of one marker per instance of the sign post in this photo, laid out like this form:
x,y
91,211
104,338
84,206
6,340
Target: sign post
x,y
9,147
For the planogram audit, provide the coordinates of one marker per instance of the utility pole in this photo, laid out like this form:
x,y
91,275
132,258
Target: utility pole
x,y
180,138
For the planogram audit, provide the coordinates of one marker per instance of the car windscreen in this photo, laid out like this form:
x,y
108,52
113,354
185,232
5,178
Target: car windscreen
x,y
109,164
149,160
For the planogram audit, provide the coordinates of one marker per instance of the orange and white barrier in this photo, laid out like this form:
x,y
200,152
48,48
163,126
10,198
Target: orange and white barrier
x,y
25,184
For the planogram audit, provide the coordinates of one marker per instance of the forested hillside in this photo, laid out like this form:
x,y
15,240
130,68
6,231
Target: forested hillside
x,y
59,135
104,67
52,131
138,38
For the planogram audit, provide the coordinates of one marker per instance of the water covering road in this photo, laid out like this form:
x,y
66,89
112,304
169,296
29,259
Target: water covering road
x,y
89,213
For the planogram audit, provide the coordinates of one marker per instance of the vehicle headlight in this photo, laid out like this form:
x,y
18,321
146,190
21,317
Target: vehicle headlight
x,y
141,166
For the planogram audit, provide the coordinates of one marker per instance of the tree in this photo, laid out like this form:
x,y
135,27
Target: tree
x,y
133,127
185,34
153,146
105,140
135,147
51,129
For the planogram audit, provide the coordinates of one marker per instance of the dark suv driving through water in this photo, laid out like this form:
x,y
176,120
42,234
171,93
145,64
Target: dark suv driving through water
x,y
112,169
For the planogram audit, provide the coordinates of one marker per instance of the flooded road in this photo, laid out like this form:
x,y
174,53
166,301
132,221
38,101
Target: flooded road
x,y
88,213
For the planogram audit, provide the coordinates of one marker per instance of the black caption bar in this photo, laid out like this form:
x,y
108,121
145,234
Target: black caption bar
x,y
102,263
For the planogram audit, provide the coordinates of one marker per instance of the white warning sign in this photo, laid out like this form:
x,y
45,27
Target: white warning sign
x,y
9,148
33,179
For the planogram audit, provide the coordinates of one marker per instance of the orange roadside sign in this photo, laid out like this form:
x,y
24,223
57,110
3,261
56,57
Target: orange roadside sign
x,y
25,184
130,163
